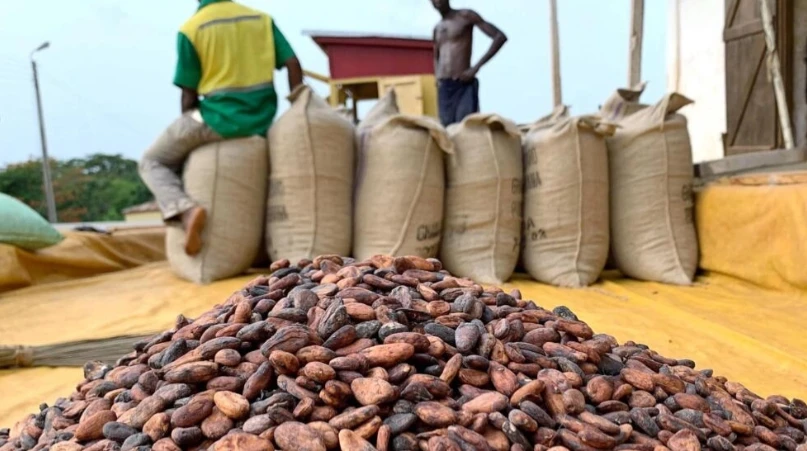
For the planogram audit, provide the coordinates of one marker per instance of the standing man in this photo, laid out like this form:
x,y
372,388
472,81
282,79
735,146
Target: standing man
x,y
225,68
458,88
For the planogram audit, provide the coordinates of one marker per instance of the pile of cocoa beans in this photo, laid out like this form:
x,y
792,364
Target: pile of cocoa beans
x,y
396,354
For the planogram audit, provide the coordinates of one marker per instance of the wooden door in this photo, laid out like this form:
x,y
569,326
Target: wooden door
x,y
752,122
409,92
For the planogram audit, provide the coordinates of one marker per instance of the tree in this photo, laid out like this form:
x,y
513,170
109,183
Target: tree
x,y
96,188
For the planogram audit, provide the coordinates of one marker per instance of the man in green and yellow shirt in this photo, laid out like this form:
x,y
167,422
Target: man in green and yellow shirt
x,y
227,57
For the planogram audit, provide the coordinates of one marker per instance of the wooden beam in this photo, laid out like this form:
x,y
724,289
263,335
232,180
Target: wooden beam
x,y
636,39
775,69
748,89
731,11
557,91
316,76
761,158
741,31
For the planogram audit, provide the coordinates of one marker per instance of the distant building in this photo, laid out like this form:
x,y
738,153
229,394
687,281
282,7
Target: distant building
x,y
147,212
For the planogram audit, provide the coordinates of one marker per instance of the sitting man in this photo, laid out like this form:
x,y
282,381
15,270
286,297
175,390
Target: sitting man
x,y
227,55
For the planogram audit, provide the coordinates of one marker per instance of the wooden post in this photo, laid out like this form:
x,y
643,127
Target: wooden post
x,y
636,38
674,53
775,71
557,92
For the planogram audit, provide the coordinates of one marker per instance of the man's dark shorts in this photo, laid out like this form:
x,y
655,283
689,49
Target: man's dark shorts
x,y
457,100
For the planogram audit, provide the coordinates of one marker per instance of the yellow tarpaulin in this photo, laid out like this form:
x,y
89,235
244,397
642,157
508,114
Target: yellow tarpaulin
x,y
754,227
80,254
744,333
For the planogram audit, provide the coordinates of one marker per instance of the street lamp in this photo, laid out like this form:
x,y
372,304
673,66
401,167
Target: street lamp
x,y
51,201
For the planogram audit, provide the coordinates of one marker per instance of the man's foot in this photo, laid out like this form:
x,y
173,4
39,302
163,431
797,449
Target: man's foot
x,y
193,222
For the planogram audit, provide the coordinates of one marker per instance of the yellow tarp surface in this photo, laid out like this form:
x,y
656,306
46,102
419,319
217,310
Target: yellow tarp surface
x,y
754,228
746,334
80,254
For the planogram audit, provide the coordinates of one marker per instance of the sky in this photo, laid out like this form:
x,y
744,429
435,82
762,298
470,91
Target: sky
x,y
106,79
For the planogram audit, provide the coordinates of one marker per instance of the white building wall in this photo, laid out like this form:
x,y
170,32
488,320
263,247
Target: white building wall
x,y
696,69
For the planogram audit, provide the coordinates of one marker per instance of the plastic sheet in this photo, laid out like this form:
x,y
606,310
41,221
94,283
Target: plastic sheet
x,y
79,255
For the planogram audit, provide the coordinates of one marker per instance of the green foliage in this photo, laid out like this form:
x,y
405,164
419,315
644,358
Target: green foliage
x,y
96,188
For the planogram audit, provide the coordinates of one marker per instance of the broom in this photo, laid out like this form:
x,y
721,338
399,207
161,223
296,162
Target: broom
x,y
70,354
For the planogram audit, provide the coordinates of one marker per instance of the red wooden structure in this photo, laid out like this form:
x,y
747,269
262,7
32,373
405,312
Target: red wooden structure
x,y
353,55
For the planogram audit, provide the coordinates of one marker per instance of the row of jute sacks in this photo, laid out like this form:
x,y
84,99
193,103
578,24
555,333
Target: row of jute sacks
x,y
557,194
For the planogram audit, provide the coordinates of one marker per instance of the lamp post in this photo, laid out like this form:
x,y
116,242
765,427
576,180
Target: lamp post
x,y
51,201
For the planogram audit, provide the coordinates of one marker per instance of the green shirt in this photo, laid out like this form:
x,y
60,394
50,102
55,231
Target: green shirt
x,y
235,113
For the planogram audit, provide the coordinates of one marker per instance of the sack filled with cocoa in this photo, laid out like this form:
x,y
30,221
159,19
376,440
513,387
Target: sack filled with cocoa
x,y
228,179
566,201
482,231
311,151
558,114
400,188
652,208
623,103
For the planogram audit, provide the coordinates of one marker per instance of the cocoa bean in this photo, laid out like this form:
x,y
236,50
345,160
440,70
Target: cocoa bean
x,y
435,414
231,404
157,426
93,427
350,441
370,391
295,436
351,419
242,441
193,413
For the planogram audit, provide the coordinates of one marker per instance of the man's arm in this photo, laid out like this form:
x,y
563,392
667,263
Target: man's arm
x,y
498,37
188,73
436,49
285,57
190,100
295,71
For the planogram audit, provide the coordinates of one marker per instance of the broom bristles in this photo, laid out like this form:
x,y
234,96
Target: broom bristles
x,y
71,354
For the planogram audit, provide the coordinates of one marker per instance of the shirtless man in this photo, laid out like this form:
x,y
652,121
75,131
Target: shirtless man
x,y
458,88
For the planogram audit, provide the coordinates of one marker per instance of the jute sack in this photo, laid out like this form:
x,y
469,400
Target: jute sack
x,y
566,202
482,230
399,195
623,103
311,152
559,113
228,179
386,107
652,208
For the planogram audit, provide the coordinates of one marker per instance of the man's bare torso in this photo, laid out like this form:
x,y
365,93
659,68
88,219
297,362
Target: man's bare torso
x,y
453,37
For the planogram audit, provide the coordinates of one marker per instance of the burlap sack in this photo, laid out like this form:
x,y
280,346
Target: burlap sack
x,y
228,179
482,224
566,202
311,152
399,193
652,210
386,107
558,113
623,103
